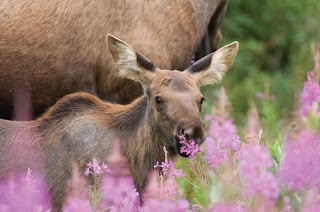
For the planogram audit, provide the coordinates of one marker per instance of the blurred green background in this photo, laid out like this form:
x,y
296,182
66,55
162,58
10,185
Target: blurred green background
x,y
277,40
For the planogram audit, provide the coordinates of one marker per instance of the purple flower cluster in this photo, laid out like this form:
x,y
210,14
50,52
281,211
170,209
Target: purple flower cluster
x,y
180,205
254,160
120,193
225,133
300,165
189,147
310,98
227,208
95,169
215,155
76,204
167,165
24,194
161,189
222,139
161,195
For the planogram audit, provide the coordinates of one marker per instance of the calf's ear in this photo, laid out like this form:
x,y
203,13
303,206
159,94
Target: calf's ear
x,y
132,64
212,67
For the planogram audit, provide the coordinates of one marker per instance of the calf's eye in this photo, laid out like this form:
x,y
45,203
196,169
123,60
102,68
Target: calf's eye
x,y
158,100
200,104
201,101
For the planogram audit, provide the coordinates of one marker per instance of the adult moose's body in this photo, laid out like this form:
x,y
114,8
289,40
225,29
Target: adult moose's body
x,y
80,126
55,47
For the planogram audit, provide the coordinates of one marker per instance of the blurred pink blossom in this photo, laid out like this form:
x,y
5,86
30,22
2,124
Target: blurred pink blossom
x,y
309,96
119,191
120,194
28,193
300,166
227,208
286,205
314,208
253,123
178,173
76,205
214,156
195,207
160,188
264,183
180,205
254,160
225,133
223,137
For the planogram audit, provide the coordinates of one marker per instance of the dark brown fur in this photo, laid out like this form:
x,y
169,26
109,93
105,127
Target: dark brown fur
x,y
57,47
80,126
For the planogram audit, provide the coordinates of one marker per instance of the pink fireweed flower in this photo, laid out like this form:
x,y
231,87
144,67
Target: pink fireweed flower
x,y
28,193
167,165
181,205
227,208
95,169
265,183
225,133
300,166
189,147
195,207
214,154
253,123
314,208
178,173
254,159
286,205
310,97
76,205
160,188
223,136
120,192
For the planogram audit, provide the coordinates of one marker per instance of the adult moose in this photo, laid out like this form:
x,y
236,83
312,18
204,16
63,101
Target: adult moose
x,y
51,48
80,126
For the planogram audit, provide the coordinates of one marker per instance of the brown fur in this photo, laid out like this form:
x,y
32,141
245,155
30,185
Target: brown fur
x,y
57,47
80,126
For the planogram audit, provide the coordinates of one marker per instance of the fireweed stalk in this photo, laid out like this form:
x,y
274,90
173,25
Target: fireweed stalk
x,y
223,140
27,193
95,171
161,191
197,165
119,191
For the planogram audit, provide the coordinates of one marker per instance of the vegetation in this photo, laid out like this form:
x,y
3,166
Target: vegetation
x,y
262,151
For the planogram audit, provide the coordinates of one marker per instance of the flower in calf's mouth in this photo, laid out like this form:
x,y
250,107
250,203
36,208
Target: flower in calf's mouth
x,y
188,147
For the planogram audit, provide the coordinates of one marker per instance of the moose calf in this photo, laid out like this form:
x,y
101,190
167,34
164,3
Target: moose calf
x,y
80,126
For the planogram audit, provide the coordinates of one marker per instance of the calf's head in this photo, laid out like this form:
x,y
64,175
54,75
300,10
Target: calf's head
x,y
174,98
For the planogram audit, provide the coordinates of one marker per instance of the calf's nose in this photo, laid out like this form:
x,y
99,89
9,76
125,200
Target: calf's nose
x,y
193,131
